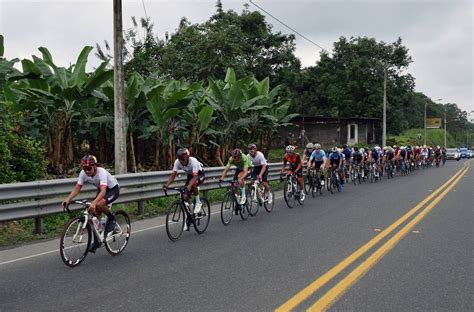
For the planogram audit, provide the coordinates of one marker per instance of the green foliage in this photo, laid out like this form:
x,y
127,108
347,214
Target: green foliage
x,y
434,137
22,158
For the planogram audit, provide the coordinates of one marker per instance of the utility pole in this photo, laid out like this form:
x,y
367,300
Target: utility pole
x,y
425,125
119,105
445,130
384,126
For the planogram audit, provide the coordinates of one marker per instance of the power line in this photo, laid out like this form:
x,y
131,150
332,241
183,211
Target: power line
x,y
287,26
144,9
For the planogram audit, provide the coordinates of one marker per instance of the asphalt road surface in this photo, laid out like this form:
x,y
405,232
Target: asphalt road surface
x,y
372,247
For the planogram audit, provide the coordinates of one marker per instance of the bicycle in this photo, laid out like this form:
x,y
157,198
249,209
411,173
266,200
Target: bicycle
x,y
308,182
180,211
334,180
76,238
230,205
257,197
291,190
317,186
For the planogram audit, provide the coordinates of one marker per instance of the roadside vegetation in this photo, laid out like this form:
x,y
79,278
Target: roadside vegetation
x,y
211,87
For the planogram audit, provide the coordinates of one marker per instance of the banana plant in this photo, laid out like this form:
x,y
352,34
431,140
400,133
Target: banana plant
x,y
56,93
165,103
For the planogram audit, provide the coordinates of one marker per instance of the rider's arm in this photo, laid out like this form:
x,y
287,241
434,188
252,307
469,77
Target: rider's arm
x,y
227,167
73,194
264,168
284,165
170,179
300,165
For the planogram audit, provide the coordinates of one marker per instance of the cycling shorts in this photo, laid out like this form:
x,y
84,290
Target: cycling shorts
x,y
256,171
200,179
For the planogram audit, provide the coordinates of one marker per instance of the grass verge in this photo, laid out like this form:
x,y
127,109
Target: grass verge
x,y
22,231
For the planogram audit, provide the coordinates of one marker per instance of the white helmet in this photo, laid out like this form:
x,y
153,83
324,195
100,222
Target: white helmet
x,y
290,149
317,145
309,145
334,149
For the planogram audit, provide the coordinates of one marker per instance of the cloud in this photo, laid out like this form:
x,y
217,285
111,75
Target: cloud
x,y
439,33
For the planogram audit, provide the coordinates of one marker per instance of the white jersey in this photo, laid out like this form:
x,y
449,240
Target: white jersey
x,y
101,178
258,160
193,166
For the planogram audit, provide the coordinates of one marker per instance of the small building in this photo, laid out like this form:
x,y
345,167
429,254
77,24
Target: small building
x,y
330,131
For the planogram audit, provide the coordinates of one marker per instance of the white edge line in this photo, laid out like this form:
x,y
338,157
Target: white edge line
x,y
57,250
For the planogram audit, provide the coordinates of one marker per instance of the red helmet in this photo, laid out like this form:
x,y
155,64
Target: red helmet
x,y
88,161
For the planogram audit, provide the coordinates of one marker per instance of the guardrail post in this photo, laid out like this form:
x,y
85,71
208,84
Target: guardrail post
x,y
141,207
39,225
206,195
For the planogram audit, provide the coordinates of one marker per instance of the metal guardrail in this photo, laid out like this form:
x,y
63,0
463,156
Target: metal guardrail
x,y
40,198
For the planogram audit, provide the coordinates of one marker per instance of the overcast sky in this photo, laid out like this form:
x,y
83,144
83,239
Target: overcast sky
x,y
438,33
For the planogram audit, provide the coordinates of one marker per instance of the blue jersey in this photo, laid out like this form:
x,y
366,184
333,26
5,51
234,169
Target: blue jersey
x,y
318,156
347,152
335,157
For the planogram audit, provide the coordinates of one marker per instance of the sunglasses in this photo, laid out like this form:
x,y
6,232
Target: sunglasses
x,y
236,157
88,168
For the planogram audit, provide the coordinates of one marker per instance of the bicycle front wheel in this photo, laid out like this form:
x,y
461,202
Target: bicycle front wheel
x,y
288,194
308,183
269,206
244,210
116,241
227,209
254,201
175,218
75,241
202,218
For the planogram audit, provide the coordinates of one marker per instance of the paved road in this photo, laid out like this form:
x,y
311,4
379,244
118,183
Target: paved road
x,y
260,264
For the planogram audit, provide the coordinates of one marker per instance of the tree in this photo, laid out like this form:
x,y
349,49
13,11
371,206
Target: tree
x,y
55,94
349,82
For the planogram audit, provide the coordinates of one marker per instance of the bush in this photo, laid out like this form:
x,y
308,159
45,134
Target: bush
x,y
22,158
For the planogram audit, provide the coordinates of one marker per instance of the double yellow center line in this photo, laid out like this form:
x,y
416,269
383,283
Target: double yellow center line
x,y
329,298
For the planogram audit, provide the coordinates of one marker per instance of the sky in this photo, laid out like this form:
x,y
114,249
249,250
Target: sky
x,y
438,33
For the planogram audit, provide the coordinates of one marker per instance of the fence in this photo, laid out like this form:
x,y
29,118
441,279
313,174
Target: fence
x,y
40,198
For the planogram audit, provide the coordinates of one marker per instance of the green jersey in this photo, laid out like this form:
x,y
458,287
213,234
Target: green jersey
x,y
244,162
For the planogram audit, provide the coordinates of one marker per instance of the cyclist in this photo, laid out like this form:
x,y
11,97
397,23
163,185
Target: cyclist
x,y
193,168
437,154
336,162
358,159
260,169
308,151
243,163
296,166
374,157
319,157
108,191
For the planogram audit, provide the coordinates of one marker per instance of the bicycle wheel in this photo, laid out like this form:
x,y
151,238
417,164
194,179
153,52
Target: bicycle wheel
x,y
288,194
175,218
308,183
371,175
116,241
227,208
354,176
75,241
298,193
329,183
244,210
202,218
335,183
253,202
269,206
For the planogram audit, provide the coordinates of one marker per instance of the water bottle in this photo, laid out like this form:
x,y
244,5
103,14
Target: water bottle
x,y
191,207
96,222
102,224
